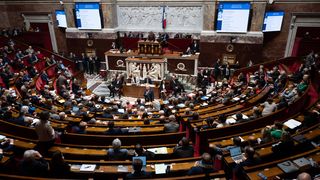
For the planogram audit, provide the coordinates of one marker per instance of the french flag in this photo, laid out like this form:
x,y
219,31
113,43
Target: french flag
x,y
164,18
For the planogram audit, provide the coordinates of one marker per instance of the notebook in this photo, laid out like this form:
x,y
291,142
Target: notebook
x,y
236,154
288,167
143,159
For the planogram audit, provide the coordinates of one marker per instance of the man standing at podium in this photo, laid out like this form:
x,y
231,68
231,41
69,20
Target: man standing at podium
x,y
148,94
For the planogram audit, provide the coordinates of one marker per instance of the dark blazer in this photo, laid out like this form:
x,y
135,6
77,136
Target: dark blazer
x,y
34,167
148,95
183,151
138,175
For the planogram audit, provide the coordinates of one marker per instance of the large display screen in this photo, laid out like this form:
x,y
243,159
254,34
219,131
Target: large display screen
x,y
272,21
88,15
61,18
233,17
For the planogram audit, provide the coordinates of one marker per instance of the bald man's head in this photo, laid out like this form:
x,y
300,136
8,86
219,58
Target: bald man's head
x,y
304,176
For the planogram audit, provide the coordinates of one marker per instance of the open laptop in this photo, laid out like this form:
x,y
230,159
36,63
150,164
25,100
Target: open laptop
x,y
143,159
236,154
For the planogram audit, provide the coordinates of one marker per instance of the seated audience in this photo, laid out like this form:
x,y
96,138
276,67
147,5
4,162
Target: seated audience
x,y
249,159
172,125
284,146
268,107
116,153
58,167
45,132
140,151
205,165
138,173
33,164
304,176
183,149
276,131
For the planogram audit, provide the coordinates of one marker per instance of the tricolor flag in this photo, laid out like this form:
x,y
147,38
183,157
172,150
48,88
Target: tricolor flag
x,y
164,18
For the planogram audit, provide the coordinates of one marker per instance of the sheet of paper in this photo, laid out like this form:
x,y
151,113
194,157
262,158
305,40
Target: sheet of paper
x,y
160,168
122,168
292,123
160,150
88,167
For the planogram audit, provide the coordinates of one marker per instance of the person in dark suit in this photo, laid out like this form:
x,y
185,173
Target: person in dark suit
x,y
285,146
116,153
138,172
172,125
33,164
195,47
151,36
205,165
140,151
176,86
118,86
162,89
183,149
113,130
58,167
250,158
148,94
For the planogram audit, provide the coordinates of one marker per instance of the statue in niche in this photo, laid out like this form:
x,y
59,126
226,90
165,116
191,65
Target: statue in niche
x,y
154,72
135,71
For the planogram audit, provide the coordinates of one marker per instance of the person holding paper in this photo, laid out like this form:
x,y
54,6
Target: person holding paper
x,y
138,173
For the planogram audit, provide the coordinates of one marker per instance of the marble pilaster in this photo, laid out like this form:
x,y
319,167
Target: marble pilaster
x,y
209,11
258,9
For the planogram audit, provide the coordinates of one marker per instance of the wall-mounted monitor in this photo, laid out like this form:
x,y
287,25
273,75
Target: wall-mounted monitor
x,y
88,15
233,17
61,18
272,21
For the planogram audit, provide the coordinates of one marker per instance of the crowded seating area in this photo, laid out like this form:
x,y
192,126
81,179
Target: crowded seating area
x,y
162,90
52,126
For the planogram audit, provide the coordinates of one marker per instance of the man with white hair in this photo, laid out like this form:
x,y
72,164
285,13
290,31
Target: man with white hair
x,y
148,94
172,126
33,164
116,153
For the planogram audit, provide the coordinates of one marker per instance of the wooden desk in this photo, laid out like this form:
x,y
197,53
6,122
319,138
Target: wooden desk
x,y
115,61
149,47
143,130
274,170
138,91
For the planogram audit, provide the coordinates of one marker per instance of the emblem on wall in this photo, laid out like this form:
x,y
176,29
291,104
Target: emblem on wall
x,y
90,43
120,63
230,48
181,67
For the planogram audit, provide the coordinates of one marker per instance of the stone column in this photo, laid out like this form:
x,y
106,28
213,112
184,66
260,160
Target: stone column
x,y
68,8
258,9
109,11
209,11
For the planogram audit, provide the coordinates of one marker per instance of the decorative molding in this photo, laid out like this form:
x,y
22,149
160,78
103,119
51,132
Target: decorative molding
x,y
83,34
149,18
247,38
